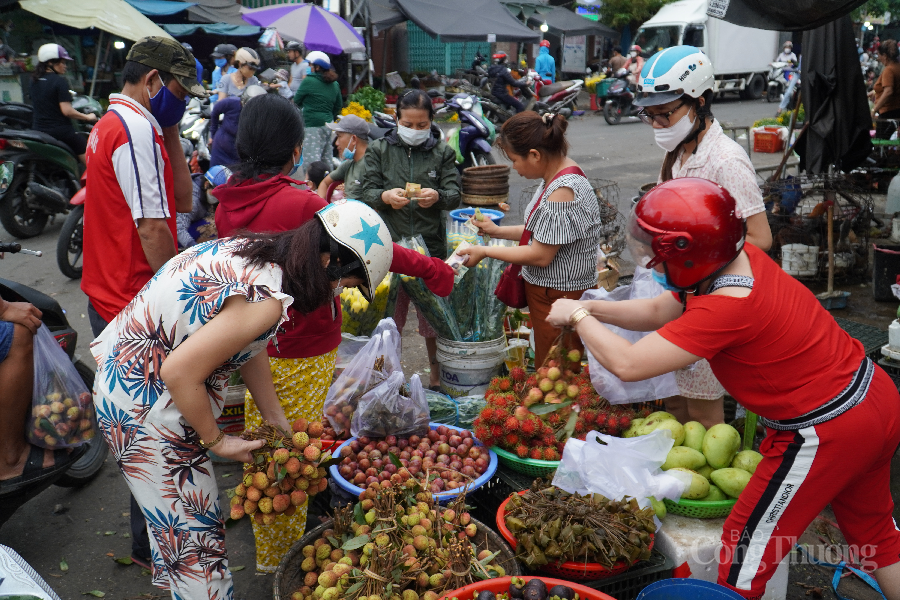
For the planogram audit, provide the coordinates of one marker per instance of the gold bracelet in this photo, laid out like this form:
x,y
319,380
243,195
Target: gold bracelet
x,y
208,445
577,315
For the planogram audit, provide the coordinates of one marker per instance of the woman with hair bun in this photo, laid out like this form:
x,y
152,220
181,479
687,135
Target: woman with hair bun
x,y
563,219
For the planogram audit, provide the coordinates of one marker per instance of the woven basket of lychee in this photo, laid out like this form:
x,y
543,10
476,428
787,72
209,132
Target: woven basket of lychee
x,y
447,459
529,417
284,472
525,588
394,543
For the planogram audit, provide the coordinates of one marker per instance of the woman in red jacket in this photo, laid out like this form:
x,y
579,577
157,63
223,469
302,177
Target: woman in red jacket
x,y
832,415
260,198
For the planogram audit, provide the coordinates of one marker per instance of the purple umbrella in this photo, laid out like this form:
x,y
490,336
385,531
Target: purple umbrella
x,y
317,28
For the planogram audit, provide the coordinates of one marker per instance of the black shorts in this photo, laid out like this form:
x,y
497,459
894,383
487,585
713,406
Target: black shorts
x,y
69,137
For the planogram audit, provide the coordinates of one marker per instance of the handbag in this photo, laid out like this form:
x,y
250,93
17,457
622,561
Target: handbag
x,y
510,289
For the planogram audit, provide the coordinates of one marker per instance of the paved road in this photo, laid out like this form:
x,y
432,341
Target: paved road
x,y
87,527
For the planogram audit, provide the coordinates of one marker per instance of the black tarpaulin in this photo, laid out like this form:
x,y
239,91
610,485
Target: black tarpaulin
x,y
467,20
834,96
780,15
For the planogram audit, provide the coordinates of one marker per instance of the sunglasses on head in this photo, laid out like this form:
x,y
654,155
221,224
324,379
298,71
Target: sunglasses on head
x,y
251,66
661,119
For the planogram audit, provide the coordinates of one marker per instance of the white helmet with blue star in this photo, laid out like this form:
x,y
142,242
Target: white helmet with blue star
x,y
358,227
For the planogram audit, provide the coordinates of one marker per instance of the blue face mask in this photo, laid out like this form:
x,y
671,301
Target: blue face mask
x,y
296,167
661,279
166,107
220,62
348,154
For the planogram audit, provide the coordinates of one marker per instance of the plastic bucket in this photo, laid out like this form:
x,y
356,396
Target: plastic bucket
x,y
687,589
461,215
468,374
489,348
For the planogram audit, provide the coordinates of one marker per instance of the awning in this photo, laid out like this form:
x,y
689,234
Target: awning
x,y
467,20
183,29
562,21
780,15
216,11
159,8
114,16
384,14
526,8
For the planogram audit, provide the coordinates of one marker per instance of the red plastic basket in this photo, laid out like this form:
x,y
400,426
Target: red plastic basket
x,y
331,444
570,569
501,584
768,141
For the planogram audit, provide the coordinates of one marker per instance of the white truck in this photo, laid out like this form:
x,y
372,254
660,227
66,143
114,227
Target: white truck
x,y
740,55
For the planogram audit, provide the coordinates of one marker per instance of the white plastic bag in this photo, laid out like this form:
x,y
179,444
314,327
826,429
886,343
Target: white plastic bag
x,y
351,345
619,467
385,410
361,375
608,385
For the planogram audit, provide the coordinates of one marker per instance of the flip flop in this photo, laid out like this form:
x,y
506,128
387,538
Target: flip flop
x,y
34,471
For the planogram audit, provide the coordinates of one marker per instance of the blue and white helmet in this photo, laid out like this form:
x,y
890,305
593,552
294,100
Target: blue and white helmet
x,y
672,73
217,175
359,228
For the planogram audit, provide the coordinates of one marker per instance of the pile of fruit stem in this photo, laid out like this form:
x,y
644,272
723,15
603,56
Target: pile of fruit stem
x,y
411,548
552,525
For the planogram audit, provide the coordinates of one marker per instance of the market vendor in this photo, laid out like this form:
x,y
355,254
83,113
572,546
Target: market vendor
x,y
164,362
833,416
260,197
563,217
678,105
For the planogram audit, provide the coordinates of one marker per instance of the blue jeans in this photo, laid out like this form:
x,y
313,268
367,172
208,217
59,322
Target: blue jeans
x,y
6,339
789,93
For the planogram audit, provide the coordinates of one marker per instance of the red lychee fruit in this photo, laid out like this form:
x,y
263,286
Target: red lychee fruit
x,y
300,425
315,429
536,453
522,451
511,440
496,431
517,374
504,384
532,381
528,427
553,419
311,453
481,432
521,413
551,454
512,424
624,422
601,419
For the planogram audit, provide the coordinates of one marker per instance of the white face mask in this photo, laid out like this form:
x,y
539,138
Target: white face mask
x,y
634,55
413,137
669,138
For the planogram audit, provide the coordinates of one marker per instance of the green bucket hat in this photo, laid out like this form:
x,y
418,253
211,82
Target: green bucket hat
x,y
168,56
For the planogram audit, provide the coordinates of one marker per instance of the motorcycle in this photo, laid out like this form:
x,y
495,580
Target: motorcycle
x,y
88,465
780,74
619,100
44,176
472,140
558,98
194,127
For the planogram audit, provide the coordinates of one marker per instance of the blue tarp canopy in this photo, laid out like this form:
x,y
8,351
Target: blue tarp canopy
x,y
183,29
159,8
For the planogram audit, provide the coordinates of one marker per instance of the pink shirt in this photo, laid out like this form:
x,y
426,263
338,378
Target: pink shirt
x,y
720,159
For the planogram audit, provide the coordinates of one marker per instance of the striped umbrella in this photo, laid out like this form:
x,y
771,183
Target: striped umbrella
x,y
317,28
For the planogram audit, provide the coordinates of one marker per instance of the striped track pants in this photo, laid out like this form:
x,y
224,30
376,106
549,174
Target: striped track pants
x,y
844,462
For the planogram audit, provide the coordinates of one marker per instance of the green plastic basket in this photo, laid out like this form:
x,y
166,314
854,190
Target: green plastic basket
x,y
526,466
699,509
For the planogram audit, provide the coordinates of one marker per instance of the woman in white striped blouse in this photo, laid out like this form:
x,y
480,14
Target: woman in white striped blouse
x,y
563,219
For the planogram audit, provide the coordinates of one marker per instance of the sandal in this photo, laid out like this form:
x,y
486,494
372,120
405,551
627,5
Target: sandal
x,y
34,471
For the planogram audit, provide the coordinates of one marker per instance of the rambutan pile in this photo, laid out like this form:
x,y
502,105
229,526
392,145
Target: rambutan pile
x,y
509,423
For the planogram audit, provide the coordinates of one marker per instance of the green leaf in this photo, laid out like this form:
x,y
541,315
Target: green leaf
x,y
486,560
388,588
395,575
544,409
95,593
358,514
229,522
145,572
63,565
334,541
226,475
394,460
237,568
357,542
570,424
230,493
124,560
353,589
336,460
109,533
282,473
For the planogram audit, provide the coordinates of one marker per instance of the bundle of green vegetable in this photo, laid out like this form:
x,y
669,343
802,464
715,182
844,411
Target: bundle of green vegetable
x,y
369,97
436,310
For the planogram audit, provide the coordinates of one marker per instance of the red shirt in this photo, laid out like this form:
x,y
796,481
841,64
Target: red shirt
x,y
128,177
274,205
777,351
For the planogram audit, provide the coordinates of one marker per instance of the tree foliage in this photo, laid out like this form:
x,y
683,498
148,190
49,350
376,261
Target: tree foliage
x,y
619,13
876,8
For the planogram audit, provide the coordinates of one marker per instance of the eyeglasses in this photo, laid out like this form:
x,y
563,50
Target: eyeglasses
x,y
251,66
662,118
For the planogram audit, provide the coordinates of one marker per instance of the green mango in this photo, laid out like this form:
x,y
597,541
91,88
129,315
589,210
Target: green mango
x,y
715,494
659,507
731,481
687,458
675,427
699,487
652,421
661,414
720,444
705,470
747,460
693,435
632,429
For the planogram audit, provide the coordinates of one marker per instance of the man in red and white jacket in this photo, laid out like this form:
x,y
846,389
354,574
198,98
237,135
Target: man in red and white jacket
x,y
133,191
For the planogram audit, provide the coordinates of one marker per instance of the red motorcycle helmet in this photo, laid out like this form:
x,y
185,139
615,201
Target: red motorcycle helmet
x,y
688,225
545,43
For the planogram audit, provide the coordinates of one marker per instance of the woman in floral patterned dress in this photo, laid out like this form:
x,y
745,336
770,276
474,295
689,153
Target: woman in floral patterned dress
x,y
164,362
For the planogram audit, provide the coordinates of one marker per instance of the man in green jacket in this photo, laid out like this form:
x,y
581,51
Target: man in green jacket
x,y
319,96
